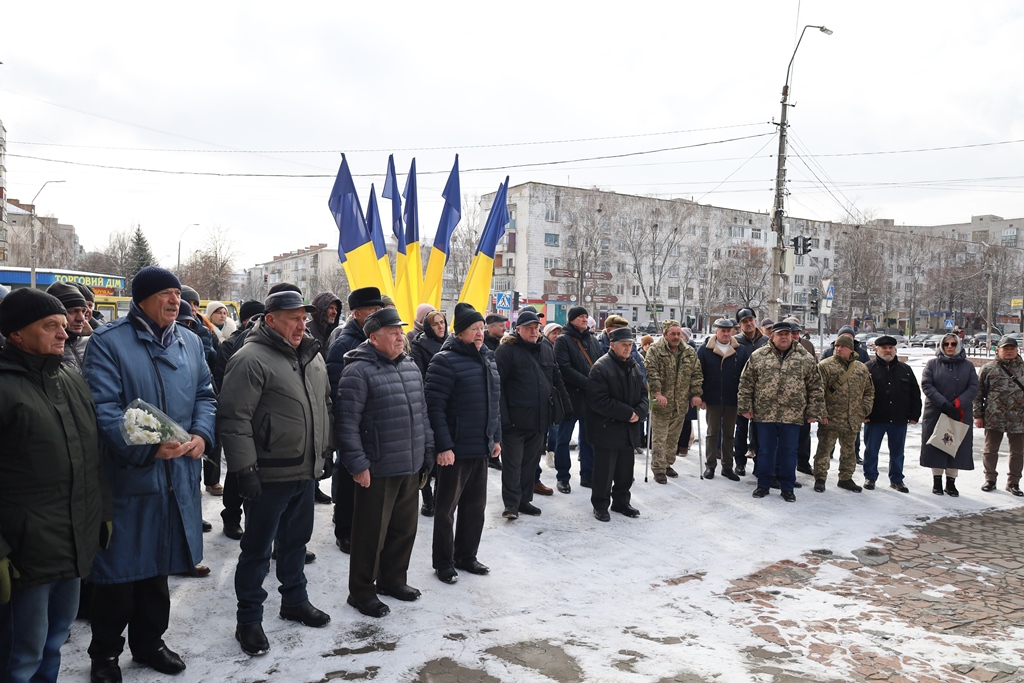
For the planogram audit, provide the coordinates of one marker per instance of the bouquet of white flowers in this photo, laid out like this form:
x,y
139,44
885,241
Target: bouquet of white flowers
x,y
146,424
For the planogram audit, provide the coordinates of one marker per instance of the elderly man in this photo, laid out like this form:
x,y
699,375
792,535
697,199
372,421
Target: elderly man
x,y
495,330
999,409
53,496
155,487
780,389
78,330
897,403
721,362
766,326
383,435
803,451
745,444
617,407
532,399
849,398
676,383
277,374
576,350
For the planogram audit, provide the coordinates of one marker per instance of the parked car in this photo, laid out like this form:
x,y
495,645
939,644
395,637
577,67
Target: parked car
x,y
918,341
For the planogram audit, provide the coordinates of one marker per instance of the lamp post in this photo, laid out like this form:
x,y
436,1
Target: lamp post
x,y
779,250
32,233
190,225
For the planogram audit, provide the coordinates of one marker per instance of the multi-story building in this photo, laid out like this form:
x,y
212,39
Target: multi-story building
x,y
57,244
313,269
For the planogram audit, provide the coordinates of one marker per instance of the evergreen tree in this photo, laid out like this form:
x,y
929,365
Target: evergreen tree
x,y
139,256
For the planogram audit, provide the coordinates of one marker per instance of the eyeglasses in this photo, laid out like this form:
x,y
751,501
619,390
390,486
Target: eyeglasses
x,y
950,344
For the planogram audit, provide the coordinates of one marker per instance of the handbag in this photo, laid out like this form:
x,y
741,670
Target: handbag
x,y
948,434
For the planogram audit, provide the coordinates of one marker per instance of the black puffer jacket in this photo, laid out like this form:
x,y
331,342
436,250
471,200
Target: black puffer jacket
x,y
463,393
616,390
381,424
350,337
424,347
897,393
317,326
53,496
533,396
574,366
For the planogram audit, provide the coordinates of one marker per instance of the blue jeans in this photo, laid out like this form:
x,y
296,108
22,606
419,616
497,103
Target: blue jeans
x,y
897,437
776,452
283,511
562,460
33,627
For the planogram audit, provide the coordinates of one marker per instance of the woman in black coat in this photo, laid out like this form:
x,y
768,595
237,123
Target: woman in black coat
x,y
463,393
950,383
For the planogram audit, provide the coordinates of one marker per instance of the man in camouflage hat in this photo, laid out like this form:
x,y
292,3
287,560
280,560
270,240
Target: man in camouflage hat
x,y
999,409
780,389
849,397
675,381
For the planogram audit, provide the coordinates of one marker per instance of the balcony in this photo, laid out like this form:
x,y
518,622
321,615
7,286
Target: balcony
x,y
505,270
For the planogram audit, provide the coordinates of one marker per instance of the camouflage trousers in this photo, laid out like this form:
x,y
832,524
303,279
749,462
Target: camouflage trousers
x,y
665,430
827,438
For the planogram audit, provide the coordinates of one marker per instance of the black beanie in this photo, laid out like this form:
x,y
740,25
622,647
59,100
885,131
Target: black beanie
x,y
68,294
190,295
150,280
86,291
249,309
577,311
465,315
22,307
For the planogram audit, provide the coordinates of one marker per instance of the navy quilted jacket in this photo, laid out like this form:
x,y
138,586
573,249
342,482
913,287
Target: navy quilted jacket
x,y
463,398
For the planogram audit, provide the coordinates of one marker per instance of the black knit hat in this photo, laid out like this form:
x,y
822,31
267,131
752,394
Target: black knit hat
x,y
22,307
150,280
466,315
249,309
68,294
190,295
575,312
86,291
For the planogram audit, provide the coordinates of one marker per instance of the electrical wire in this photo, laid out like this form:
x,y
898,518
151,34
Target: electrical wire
x,y
738,168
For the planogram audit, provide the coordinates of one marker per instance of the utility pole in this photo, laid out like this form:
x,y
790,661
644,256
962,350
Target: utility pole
x,y
33,252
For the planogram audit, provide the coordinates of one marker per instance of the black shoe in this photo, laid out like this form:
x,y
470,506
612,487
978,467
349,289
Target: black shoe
x,y
797,485
404,593
233,530
951,487
899,486
819,485
741,470
937,485
494,463
805,469
473,567
585,484
344,544
709,473
869,484
775,483
305,614
105,670
310,557
371,608
207,527
669,472
789,496
252,639
988,486
427,510
321,497
627,510
849,485
602,516
447,575
860,460
510,514
760,492
563,487
163,660
1014,489
529,509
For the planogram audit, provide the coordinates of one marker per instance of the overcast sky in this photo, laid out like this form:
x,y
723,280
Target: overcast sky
x,y
272,88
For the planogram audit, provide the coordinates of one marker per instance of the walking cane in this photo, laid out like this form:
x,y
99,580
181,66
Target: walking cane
x,y
647,452
700,448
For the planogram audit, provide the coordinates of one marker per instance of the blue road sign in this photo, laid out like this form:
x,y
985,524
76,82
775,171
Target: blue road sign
x,y
503,301
949,324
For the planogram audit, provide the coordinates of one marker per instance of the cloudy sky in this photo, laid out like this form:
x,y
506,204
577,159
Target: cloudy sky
x,y
196,90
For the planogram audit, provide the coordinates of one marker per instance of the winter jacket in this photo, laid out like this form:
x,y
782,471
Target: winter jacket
x,y
533,396
1000,400
946,379
615,390
424,347
781,388
676,375
605,344
574,366
54,496
491,342
124,362
317,326
350,337
849,401
224,332
721,373
859,348
204,330
463,392
754,344
382,423
274,408
74,351
897,393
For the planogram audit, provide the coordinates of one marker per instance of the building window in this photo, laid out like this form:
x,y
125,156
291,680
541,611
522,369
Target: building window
x,y
689,292
736,231
814,242
550,262
551,286
828,244
551,239
620,289
636,290
551,213
755,233
635,312
673,271
800,260
907,287
798,279
824,262
673,292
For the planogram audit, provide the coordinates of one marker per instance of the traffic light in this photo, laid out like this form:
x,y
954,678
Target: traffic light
x,y
265,278
515,301
801,245
814,300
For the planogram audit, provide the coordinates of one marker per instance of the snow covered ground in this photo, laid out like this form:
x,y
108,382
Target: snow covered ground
x,y
598,590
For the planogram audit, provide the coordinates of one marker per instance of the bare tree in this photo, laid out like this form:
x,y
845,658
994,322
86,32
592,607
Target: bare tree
x,y
745,274
209,270
651,236
585,218
861,272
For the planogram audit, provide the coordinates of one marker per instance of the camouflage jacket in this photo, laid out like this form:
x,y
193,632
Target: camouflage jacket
x,y
676,375
781,389
1000,402
849,403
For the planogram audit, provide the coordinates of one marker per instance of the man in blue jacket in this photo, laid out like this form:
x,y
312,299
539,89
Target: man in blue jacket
x,y
155,487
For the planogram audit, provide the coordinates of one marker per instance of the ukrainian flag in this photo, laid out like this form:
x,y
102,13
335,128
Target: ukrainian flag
x,y
355,246
387,285
405,286
477,288
450,216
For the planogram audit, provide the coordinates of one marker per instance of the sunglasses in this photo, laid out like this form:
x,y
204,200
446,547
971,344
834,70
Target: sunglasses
x,y
945,344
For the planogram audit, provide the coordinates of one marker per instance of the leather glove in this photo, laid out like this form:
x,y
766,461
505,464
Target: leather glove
x,y
7,574
328,465
249,483
106,531
948,408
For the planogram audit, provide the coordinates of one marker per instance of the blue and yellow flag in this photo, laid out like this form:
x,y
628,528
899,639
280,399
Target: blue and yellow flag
x,y
387,285
450,216
405,289
477,288
413,260
355,246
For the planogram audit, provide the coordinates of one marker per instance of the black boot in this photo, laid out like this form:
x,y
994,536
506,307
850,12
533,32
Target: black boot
x,y
951,487
427,510
937,485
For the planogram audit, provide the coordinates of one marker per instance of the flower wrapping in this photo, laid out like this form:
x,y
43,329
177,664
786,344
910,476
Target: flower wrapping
x,y
145,424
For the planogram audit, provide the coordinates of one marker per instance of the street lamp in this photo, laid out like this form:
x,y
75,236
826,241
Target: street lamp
x,y
190,225
32,233
779,250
